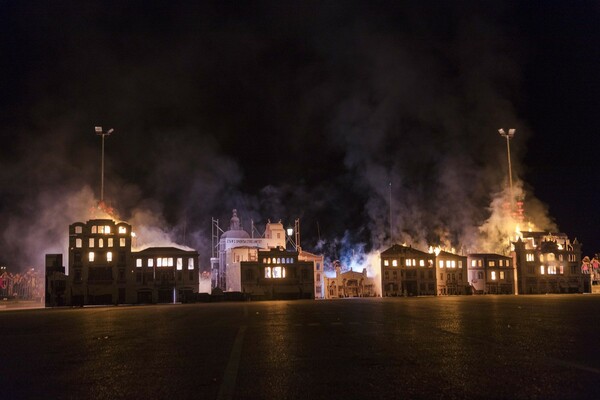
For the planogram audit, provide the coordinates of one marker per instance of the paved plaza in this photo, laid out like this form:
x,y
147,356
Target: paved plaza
x,y
467,347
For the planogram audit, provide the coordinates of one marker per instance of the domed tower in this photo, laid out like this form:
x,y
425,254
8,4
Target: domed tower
x,y
229,260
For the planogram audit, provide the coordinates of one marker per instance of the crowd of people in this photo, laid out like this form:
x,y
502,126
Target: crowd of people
x,y
22,286
591,267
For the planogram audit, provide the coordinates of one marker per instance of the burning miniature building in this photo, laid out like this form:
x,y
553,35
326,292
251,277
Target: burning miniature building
x,y
99,261
278,274
236,246
165,275
405,271
451,273
491,273
349,284
549,263
103,269
410,272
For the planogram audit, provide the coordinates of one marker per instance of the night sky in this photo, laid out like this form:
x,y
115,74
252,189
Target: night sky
x,y
289,110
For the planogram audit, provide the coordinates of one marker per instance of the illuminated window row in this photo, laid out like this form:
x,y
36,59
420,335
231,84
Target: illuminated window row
x,y
92,256
450,263
410,262
495,276
491,263
552,270
275,272
102,229
92,242
278,260
164,262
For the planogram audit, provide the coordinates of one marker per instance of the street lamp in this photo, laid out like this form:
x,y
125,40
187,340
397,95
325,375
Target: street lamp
x,y
99,132
508,136
296,232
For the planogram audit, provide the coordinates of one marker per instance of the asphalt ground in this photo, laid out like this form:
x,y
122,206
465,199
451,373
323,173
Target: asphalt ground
x,y
459,347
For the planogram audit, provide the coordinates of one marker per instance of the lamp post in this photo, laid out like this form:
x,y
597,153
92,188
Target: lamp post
x,y
99,132
508,135
295,230
391,230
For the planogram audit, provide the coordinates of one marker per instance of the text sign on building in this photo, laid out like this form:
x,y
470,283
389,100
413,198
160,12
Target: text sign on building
x,y
260,243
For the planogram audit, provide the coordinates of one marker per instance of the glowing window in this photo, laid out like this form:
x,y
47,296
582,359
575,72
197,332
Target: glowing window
x,y
421,263
122,242
560,257
562,269
473,263
408,262
179,264
479,263
386,263
273,260
501,275
94,229
493,274
267,272
170,261
110,242
91,242
151,262
542,269
441,263
190,263
492,263
78,229
459,263
159,262
394,263
100,242
78,243
453,263
138,262
278,272
264,260
529,257
107,229
109,256
91,256
501,263
551,270
122,229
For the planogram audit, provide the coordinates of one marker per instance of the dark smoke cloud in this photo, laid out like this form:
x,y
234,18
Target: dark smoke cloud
x,y
281,111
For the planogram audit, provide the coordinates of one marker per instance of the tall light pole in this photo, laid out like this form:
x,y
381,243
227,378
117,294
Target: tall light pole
x,y
99,132
391,231
508,136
